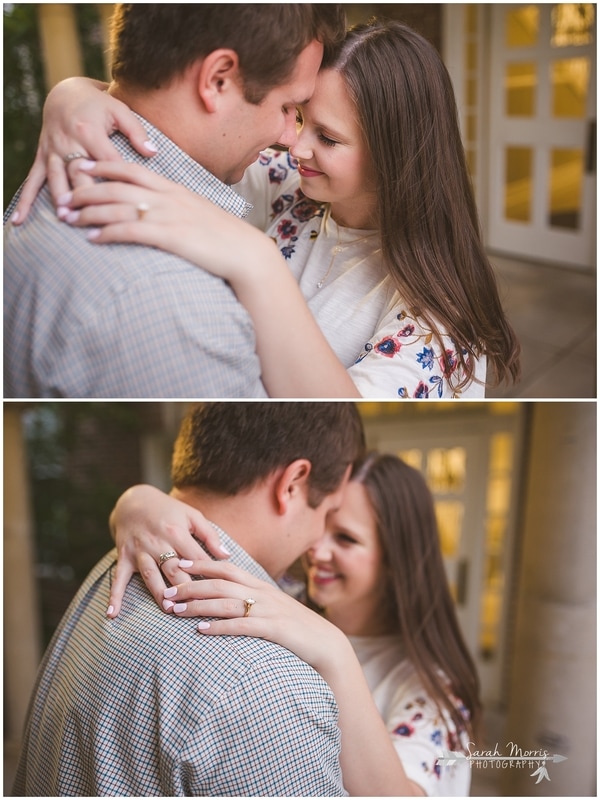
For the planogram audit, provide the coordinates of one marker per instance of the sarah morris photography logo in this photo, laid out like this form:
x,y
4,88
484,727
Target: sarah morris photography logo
x,y
514,758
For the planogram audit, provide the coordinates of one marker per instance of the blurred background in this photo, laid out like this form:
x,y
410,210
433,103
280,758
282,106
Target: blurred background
x,y
515,488
525,81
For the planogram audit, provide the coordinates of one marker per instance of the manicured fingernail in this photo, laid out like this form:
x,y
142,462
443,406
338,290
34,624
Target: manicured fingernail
x,y
150,146
83,163
170,592
72,216
15,217
179,607
62,212
203,626
110,611
225,550
93,233
167,604
65,199
183,562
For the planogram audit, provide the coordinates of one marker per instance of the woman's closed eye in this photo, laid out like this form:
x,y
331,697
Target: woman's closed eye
x,y
326,140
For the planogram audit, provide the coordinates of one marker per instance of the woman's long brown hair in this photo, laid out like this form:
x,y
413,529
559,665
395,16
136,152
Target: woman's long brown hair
x,y
430,233
422,608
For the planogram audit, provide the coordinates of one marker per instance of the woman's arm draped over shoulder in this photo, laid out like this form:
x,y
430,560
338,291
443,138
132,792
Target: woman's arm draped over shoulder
x,y
296,359
78,117
370,763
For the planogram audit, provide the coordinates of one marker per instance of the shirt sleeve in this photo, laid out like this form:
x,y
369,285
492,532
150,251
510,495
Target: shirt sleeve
x,y
274,735
269,184
404,360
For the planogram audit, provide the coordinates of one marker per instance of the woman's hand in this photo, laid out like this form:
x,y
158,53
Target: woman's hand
x,y
135,205
78,117
145,523
274,615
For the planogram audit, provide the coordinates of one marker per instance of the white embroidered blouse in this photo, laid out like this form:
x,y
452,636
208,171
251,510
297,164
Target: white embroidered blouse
x,y
387,350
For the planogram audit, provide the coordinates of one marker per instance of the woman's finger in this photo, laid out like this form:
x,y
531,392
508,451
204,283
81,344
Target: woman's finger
x,y
33,183
224,608
127,172
219,575
124,570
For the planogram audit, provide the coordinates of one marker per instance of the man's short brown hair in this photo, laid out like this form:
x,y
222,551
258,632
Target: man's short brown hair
x,y
227,448
154,42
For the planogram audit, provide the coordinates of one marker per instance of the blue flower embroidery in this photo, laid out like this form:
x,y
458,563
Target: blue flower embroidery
x,y
440,384
426,358
288,252
436,737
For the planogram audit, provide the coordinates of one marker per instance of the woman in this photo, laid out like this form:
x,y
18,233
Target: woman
x,y
388,642
377,223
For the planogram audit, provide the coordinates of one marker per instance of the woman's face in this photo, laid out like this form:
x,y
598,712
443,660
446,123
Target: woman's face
x,y
346,573
334,164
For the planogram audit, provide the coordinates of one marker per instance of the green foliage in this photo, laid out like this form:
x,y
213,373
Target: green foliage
x,y
24,85
76,453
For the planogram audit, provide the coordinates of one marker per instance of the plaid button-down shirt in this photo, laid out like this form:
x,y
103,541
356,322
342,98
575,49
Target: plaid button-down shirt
x,y
144,705
122,320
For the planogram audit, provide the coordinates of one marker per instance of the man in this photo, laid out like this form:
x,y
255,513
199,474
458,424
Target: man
x,y
213,85
144,705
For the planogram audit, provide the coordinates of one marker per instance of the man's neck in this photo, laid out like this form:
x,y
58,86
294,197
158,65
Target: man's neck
x,y
241,516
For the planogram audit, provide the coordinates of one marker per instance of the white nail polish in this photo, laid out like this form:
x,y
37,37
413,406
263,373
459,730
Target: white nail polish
x,y
183,562
150,146
167,604
15,217
203,626
170,592
110,610
179,607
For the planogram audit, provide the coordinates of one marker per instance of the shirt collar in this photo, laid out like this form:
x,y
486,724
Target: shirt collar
x,y
173,163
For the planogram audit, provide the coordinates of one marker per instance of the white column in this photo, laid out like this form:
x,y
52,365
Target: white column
x,y
552,690
61,48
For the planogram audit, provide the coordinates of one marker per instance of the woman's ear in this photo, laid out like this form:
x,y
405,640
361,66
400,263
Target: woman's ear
x,y
292,484
219,72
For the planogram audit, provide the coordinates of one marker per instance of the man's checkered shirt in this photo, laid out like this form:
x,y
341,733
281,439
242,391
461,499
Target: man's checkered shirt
x,y
144,705
122,320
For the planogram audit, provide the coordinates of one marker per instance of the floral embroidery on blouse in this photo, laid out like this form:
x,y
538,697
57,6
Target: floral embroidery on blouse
x,y
443,364
423,719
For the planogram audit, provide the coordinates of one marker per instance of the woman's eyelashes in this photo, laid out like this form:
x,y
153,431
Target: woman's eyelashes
x,y
327,140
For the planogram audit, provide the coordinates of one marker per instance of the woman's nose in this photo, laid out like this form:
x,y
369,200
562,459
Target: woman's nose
x,y
301,148
321,551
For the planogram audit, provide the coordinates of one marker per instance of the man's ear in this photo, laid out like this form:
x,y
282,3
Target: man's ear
x,y
292,484
219,72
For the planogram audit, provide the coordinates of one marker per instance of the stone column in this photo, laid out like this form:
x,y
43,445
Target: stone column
x,y
22,638
61,48
552,691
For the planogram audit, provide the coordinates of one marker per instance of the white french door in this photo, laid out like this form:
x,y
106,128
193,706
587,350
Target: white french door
x,y
542,201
